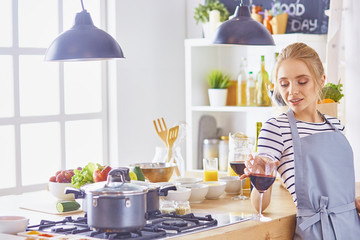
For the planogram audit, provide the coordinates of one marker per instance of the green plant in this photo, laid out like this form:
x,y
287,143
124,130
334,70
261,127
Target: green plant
x,y
201,13
332,91
217,79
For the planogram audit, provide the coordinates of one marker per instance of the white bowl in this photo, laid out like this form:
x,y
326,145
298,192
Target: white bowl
x,y
181,194
216,188
188,180
198,191
57,190
233,184
13,224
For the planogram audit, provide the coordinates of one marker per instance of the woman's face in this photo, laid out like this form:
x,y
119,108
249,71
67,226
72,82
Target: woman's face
x,y
297,86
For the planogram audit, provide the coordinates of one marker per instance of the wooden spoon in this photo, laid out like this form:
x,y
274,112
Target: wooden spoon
x,y
171,138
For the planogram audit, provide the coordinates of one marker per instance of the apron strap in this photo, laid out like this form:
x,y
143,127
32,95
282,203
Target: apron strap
x,y
322,214
299,169
332,125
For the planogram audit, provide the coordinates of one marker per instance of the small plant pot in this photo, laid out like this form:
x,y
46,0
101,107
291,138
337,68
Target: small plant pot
x,y
217,97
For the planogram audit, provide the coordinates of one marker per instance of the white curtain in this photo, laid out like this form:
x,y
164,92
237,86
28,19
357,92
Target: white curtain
x,y
351,31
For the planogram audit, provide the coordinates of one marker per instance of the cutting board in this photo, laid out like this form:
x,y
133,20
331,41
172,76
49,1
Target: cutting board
x,y
4,236
207,129
44,203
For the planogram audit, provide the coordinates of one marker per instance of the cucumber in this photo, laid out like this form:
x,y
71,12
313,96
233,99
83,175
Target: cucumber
x,y
139,174
67,206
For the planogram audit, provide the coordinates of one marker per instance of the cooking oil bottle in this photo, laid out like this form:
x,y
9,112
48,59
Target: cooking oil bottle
x,y
251,90
262,97
242,79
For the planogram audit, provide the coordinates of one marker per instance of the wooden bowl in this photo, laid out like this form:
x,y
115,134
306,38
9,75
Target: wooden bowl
x,y
157,172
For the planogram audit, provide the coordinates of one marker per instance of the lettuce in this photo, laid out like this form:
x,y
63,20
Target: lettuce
x,y
83,176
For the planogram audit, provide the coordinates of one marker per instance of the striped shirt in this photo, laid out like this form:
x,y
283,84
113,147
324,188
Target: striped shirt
x,y
275,142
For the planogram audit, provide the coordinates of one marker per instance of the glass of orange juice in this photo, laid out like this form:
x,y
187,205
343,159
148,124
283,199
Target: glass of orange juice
x,y
210,169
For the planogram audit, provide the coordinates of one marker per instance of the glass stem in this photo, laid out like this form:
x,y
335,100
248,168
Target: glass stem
x,y
260,204
241,188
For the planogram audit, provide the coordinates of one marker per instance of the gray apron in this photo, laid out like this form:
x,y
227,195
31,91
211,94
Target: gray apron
x,y
324,185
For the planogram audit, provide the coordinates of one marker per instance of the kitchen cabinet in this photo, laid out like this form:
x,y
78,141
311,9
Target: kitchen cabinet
x,y
201,56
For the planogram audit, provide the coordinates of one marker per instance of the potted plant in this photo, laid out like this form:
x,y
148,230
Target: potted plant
x,y
218,83
211,15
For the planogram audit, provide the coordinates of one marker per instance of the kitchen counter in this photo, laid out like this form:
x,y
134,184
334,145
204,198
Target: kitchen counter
x,y
282,210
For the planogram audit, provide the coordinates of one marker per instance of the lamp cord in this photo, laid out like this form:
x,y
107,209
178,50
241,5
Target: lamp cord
x,y
82,5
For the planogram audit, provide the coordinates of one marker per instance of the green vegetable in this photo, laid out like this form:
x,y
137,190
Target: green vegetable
x,y
332,91
139,174
67,206
83,176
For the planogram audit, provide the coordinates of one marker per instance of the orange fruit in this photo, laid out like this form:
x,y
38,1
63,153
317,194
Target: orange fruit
x,y
327,100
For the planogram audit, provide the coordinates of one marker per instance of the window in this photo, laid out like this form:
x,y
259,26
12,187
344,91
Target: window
x,y
52,115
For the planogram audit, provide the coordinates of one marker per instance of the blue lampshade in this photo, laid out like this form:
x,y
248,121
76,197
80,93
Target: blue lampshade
x,y
83,42
243,29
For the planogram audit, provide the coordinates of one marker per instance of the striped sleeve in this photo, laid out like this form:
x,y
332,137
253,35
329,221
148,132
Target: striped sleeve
x,y
270,141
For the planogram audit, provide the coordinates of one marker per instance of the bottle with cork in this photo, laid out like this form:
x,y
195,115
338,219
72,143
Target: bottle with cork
x,y
262,97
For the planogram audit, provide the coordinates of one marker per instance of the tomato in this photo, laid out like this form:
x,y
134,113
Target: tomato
x,y
52,179
101,173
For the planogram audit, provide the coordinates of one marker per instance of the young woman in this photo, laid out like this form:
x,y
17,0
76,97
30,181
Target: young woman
x,y
310,150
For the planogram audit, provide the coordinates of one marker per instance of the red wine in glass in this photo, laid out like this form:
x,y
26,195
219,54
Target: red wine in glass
x,y
238,167
261,182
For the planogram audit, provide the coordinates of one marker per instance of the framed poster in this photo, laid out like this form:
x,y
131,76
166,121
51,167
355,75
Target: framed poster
x,y
305,16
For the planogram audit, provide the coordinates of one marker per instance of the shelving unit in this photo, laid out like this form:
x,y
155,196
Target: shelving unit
x,y
201,57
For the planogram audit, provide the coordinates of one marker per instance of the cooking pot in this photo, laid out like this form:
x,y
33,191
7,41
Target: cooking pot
x,y
152,196
114,205
154,191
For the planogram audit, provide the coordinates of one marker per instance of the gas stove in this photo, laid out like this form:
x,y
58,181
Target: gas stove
x,y
158,225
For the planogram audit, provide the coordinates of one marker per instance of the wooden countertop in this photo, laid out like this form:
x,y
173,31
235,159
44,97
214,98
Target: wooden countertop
x,y
281,209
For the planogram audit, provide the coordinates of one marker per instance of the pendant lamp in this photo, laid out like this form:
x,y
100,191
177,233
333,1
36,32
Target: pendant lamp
x,y
243,29
83,42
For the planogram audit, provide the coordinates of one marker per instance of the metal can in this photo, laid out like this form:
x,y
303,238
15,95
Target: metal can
x,y
223,153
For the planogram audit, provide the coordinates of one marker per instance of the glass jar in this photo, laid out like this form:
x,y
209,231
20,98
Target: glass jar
x,y
223,153
182,207
161,155
211,148
167,206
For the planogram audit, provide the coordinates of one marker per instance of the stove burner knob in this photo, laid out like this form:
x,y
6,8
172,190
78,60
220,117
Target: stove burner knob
x,y
127,202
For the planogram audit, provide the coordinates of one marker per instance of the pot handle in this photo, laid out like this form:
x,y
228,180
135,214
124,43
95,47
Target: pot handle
x,y
78,193
163,190
114,176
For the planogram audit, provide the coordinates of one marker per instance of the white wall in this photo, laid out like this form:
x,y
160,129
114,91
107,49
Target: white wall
x,y
150,81
352,85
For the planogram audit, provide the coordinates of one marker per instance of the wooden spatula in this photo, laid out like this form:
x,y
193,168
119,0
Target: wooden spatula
x,y
171,138
163,132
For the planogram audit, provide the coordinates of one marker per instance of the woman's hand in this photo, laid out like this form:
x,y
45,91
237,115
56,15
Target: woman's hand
x,y
256,162
357,203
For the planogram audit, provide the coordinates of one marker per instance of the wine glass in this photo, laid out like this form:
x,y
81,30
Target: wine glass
x,y
262,176
238,167
240,146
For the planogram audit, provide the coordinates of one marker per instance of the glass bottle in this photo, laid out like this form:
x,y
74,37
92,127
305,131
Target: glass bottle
x,y
262,97
272,76
266,22
242,79
251,90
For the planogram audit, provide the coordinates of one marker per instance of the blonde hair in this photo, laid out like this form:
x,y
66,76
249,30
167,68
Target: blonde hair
x,y
306,54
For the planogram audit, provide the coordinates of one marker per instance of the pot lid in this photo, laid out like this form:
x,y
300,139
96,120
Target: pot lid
x,y
150,186
114,188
